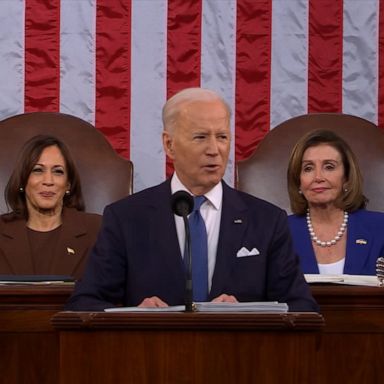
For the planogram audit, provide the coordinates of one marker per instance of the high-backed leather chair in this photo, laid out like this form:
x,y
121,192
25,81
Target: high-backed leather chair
x,y
264,173
105,176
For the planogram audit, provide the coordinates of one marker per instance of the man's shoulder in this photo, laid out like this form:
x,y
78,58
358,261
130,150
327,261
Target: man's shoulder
x,y
251,201
147,197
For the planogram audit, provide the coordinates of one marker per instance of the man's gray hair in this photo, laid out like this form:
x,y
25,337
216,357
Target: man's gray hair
x,y
172,107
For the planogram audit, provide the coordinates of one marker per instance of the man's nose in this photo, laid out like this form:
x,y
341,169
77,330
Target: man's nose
x,y
212,148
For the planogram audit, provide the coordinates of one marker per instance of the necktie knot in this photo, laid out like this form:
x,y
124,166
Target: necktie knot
x,y
198,201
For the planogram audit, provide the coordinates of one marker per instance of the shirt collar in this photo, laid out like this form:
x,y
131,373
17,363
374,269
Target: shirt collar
x,y
214,196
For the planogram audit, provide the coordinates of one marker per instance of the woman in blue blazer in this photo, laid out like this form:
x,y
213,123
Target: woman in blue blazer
x,y
332,232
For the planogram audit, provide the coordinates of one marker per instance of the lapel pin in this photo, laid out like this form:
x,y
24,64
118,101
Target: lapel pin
x,y
70,251
238,221
361,241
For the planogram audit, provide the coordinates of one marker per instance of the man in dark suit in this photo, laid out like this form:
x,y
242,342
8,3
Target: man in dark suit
x,y
138,257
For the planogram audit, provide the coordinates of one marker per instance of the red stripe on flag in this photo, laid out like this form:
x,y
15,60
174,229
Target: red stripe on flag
x,y
381,67
325,56
183,48
253,74
42,55
113,74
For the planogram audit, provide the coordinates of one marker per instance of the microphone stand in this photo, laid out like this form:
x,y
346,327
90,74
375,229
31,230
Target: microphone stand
x,y
182,205
188,255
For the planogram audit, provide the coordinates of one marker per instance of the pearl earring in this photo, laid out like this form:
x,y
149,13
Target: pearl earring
x,y
67,192
21,189
300,192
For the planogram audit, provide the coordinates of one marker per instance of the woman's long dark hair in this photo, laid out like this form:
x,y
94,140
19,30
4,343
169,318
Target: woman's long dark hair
x,y
30,153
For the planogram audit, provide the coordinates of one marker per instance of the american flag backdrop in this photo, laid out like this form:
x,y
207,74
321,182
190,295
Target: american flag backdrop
x,y
115,62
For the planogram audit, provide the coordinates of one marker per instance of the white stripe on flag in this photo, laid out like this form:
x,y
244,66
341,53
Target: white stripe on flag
x,y
360,58
77,58
148,90
12,57
289,61
218,51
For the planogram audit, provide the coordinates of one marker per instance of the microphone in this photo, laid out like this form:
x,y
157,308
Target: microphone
x,y
182,205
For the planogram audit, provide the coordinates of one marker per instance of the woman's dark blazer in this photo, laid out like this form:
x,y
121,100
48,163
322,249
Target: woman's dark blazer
x,y
78,234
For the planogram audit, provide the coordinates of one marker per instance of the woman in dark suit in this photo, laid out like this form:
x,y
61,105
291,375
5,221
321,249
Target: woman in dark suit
x,y
332,231
46,230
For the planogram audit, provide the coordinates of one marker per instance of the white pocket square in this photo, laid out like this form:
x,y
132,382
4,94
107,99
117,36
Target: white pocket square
x,y
244,252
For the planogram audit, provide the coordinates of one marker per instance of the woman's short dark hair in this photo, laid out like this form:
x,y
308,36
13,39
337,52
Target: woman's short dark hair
x,y
352,198
30,153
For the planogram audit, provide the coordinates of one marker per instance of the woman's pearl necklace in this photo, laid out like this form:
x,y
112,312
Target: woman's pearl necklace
x,y
329,243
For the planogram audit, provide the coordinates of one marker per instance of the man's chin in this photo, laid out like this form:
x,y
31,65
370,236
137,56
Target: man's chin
x,y
212,181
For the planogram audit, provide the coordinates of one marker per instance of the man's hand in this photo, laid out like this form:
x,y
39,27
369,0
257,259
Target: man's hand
x,y
152,302
225,299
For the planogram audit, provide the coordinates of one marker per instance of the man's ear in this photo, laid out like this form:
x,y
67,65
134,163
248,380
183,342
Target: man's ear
x,y
168,144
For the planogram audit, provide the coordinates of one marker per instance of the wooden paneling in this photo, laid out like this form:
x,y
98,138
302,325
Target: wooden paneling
x,y
191,348
29,345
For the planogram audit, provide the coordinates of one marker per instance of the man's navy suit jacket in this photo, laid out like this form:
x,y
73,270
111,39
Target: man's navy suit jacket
x,y
137,255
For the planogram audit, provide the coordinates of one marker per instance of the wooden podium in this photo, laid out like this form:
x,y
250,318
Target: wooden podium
x,y
168,348
348,349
